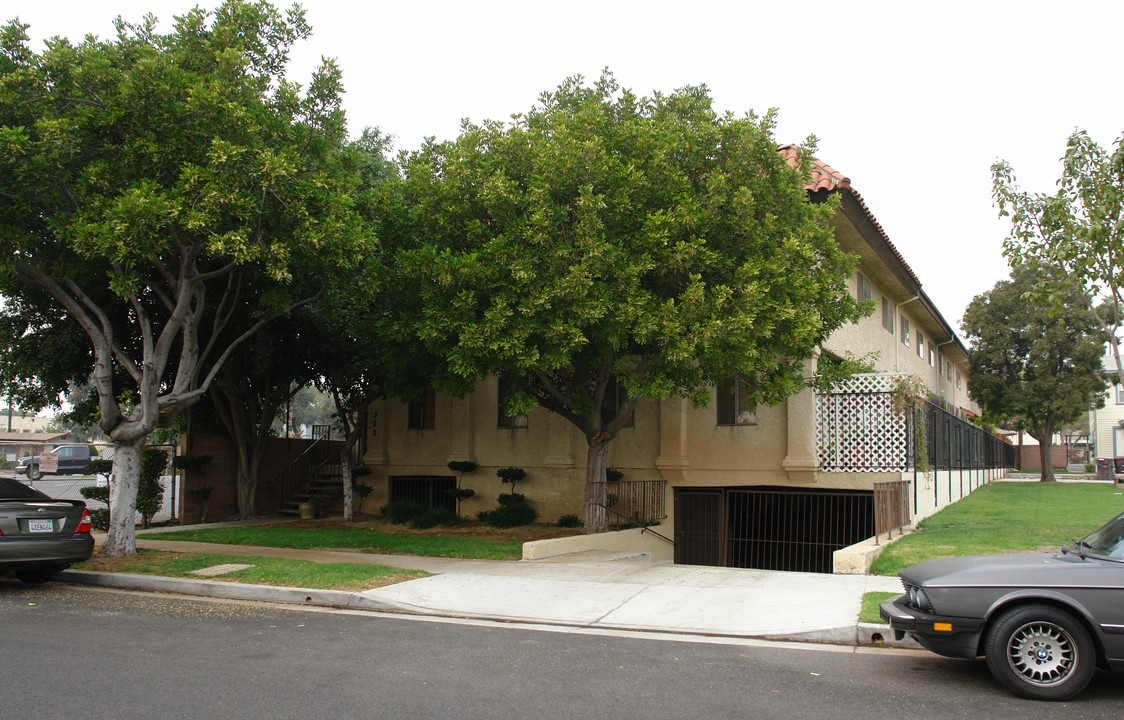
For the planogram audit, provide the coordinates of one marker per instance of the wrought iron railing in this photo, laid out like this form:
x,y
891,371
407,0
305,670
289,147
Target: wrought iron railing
x,y
295,476
632,502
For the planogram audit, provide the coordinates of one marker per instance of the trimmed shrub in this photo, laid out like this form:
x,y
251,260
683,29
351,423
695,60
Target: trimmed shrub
x,y
512,515
150,493
93,492
569,521
613,475
511,498
99,467
99,519
433,517
401,512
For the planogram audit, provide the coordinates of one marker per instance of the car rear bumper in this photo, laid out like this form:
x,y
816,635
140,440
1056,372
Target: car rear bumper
x,y
956,637
21,553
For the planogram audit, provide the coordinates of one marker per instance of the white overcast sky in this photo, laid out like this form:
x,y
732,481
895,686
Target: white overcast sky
x,y
912,101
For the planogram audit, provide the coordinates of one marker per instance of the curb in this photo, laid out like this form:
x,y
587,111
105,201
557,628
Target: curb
x,y
859,634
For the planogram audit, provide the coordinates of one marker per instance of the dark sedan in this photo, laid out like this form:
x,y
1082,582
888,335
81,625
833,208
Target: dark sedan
x,y
1044,621
40,536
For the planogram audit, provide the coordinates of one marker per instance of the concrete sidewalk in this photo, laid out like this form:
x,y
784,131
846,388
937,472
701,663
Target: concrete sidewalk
x,y
596,590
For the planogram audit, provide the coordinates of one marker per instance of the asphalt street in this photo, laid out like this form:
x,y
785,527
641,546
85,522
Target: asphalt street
x,y
96,653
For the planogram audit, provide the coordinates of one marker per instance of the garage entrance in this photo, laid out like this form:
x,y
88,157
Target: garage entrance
x,y
769,528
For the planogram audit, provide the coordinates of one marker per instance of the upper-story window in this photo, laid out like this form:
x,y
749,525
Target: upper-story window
x,y
732,403
957,379
421,413
920,344
932,359
887,315
1120,394
862,287
947,370
905,331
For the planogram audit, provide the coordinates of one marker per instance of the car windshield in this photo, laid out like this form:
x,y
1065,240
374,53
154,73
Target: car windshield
x,y
1107,540
15,490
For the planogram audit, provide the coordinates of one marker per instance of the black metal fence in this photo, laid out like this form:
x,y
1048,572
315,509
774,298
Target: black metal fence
x,y
954,443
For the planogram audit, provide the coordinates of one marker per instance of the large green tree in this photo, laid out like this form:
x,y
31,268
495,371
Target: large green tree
x,y
605,248
1036,365
148,182
1078,228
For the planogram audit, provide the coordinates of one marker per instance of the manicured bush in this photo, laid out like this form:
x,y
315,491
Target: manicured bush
x,y
433,517
401,512
93,492
569,521
99,519
99,467
613,475
512,515
511,498
511,475
150,493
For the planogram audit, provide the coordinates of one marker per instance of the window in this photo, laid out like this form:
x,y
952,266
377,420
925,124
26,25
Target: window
x,y
947,370
931,353
1119,395
957,379
733,405
887,315
940,364
504,390
420,413
905,331
862,287
920,345
615,396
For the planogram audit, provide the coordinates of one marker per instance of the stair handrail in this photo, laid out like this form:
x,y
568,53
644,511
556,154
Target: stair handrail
x,y
294,473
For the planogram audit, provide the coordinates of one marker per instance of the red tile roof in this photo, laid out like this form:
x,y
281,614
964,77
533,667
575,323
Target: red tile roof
x,y
825,177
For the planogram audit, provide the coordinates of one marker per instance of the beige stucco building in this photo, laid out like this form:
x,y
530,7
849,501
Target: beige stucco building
x,y
749,489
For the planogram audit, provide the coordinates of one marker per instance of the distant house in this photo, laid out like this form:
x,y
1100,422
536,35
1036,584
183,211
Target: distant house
x,y
772,487
1106,425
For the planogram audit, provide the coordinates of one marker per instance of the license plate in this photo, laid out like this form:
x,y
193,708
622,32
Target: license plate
x,y
40,526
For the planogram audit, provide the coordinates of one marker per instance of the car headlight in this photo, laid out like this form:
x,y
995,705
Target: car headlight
x,y
918,599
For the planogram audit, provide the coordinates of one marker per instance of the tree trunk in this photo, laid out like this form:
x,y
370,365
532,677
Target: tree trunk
x,y
1044,453
122,536
348,488
596,516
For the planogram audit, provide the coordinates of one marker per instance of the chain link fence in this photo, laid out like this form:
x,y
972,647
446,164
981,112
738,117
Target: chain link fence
x,y
69,487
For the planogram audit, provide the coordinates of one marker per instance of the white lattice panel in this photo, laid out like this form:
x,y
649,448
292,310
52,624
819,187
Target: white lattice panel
x,y
857,428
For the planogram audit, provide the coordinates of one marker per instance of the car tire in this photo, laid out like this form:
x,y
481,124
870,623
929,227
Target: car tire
x,y
1040,652
37,576
33,473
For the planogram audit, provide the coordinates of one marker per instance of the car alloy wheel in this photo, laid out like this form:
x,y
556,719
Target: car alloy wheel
x,y
1040,652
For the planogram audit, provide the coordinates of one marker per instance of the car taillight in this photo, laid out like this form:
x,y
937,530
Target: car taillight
x,y
84,523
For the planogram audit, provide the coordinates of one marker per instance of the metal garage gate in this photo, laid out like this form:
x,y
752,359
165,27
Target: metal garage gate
x,y
769,528
424,490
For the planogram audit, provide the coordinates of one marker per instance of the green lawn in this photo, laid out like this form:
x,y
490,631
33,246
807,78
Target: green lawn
x,y
361,539
264,570
1005,517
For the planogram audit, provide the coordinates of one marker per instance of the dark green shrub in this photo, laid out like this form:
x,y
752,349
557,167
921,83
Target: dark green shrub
x,y
204,495
99,519
433,517
150,493
461,466
613,475
99,467
191,463
569,521
511,475
94,492
401,512
511,498
511,515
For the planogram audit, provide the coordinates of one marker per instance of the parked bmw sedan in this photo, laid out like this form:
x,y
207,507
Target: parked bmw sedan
x,y
1044,621
40,536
